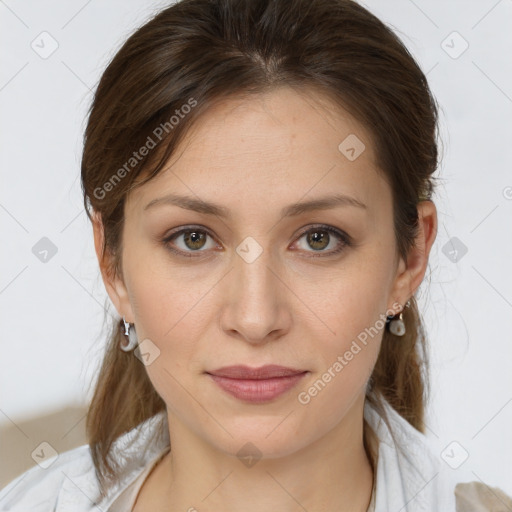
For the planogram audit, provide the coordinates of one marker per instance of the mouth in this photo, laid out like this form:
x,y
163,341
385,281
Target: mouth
x,y
256,385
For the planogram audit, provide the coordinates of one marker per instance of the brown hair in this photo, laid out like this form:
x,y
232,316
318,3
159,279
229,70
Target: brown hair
x,y
197,52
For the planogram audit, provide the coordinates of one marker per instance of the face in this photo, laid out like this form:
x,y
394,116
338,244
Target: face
x,y
251,285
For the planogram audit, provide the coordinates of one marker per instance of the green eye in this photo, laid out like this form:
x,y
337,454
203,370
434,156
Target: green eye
x,y
194,238
319,237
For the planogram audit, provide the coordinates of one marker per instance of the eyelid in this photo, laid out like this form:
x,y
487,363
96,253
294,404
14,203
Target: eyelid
x,y
180,231
345,239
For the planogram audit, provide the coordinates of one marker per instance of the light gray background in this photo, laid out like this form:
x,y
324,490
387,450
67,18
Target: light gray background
x,y
51,313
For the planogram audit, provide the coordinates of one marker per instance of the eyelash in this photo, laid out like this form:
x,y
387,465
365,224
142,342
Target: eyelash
x,y
345,239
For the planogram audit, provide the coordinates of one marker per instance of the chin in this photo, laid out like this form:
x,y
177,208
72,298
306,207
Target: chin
x,y
268,437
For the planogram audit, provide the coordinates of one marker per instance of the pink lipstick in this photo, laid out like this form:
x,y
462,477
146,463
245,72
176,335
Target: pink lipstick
x,y
256,385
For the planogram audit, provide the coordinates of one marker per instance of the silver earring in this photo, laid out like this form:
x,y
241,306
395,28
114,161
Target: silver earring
x,y
131,337
396,325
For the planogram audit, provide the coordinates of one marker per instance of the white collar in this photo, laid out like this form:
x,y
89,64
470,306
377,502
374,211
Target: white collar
x,y
410,478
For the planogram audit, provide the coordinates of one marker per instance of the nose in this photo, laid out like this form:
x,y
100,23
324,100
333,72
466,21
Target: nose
x,y
255,308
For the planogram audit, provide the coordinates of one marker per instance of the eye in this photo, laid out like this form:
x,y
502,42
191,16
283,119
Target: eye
x,y
320,237
194,240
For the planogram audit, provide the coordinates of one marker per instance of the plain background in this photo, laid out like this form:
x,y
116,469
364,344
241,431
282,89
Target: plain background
x,y
51,313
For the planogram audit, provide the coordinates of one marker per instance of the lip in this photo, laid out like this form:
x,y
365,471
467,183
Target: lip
x,y
256,385
268,371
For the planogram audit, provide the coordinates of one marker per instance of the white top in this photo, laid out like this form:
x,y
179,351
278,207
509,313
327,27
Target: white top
x,y
409,477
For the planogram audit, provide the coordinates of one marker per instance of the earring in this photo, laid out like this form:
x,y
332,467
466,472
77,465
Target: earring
x,y
397,325
130,335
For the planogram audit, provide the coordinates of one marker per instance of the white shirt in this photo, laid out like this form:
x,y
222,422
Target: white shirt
x,y
409,477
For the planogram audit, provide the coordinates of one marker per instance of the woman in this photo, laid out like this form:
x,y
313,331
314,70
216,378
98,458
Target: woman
x,y
259,179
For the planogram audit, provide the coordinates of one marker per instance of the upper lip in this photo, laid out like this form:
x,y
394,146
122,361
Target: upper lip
x,y
263,372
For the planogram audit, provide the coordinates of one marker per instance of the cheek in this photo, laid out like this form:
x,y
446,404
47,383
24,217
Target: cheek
x,y
170,310
349,328
348,359
168,300
352,302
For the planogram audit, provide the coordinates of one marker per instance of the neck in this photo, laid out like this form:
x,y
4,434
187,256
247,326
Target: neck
x,y
332,473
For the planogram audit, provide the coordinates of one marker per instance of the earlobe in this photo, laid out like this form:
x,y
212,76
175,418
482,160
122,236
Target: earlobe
x,y
114,285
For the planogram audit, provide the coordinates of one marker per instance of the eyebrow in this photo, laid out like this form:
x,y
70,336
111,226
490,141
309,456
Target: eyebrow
x,y
207,208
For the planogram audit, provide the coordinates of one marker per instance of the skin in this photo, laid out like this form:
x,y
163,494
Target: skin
x,y
286,307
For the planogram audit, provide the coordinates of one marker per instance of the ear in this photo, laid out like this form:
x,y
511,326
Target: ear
x,y
113,282
410,273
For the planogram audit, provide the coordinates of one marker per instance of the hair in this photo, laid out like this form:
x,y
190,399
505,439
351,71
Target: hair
x,y
195,53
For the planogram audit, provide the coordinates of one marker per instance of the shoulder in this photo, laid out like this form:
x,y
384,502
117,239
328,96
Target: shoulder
x,y
406,451
38,488
68,482
480,497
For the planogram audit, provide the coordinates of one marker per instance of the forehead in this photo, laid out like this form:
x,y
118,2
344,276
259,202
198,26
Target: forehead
x,y
271,149
281,124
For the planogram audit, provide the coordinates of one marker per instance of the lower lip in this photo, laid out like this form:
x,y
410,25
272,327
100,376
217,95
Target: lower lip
x,y
257,391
